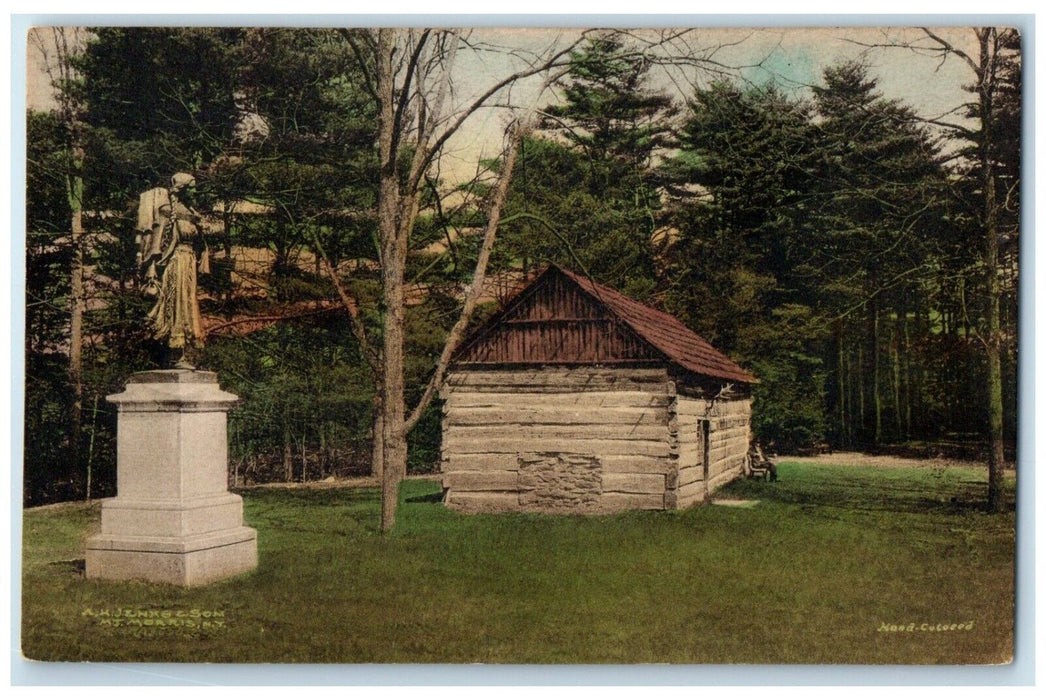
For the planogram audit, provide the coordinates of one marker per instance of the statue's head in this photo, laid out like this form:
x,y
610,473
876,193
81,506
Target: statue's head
x,y
181,181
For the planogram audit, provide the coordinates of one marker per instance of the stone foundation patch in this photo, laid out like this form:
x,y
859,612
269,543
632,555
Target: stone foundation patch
x,y
560,483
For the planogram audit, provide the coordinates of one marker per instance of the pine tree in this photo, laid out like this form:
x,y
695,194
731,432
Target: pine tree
x,y
879,227
587,194
741,200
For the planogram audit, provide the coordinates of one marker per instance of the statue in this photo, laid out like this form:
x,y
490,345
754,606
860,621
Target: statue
x,y
173,519
169,231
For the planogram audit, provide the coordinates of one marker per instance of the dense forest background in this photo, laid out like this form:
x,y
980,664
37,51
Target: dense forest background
x,y
840,246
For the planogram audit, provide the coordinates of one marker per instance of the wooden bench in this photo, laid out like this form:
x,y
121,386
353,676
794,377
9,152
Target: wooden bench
x,y
758,465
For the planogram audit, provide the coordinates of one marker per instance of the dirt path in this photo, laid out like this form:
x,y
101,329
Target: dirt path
x,y
855,459
859,459
332,483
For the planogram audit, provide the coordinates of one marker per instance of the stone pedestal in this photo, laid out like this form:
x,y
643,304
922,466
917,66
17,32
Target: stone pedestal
x,y
173,519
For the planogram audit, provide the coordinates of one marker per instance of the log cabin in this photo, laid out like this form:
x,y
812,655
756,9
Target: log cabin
x,y
574,398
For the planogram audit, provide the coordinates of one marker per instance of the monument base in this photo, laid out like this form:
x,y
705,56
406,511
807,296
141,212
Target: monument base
x,y
173,520
182,561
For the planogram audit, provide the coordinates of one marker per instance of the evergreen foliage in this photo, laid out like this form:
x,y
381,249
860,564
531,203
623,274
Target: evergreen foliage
x,y
739,273
586,194
823,240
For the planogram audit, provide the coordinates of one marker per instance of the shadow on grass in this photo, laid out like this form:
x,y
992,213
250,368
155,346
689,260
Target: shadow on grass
x,y
314,511
435,497
76,567
917,490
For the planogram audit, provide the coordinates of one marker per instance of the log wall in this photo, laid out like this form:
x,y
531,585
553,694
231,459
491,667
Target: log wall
x,y
577,440
583,440
728,425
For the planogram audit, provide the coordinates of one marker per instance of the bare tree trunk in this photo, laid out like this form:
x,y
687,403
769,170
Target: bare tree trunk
x,y
850,398
985,67
394,437
75,190
907,359
877,398
841,372
322,456
393,265
895,346
993,340
288,460
860,391
90,448
920,375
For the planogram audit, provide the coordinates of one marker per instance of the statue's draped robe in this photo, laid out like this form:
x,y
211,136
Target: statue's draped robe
x,y
176,315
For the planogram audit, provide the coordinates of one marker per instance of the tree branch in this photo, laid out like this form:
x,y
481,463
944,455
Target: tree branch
x,y
552,62
210,330
359,331
951,49
456,335
404,99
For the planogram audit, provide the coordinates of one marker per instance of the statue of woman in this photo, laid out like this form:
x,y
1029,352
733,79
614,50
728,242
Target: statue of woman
x,y
170,230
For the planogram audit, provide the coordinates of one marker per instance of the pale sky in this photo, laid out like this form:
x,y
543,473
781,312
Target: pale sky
x,y
794,57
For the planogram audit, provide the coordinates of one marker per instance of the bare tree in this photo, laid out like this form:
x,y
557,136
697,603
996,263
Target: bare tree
x,y
411,75
58,48
412,81
995,47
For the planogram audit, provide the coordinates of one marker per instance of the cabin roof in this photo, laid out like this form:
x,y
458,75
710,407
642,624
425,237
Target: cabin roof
x,y
665,333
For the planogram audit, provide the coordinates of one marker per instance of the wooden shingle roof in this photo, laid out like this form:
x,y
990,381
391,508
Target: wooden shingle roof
x,y
665,332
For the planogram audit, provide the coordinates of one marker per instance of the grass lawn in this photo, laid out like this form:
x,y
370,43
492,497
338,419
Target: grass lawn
x,y
807,575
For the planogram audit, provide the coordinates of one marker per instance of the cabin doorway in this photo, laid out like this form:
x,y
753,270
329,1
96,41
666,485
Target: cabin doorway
x,y
704,436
